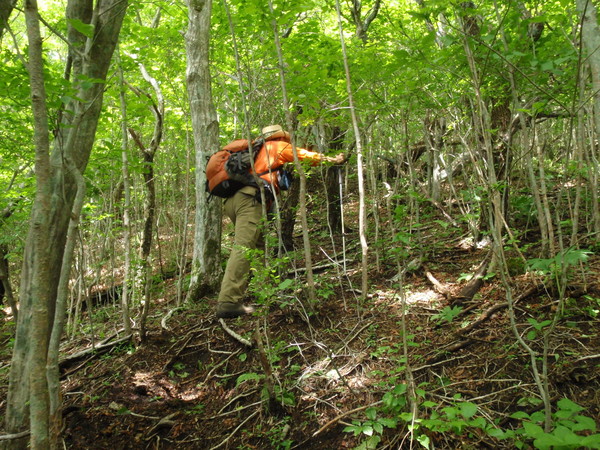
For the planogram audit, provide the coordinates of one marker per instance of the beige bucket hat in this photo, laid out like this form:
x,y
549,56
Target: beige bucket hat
x,y
274,132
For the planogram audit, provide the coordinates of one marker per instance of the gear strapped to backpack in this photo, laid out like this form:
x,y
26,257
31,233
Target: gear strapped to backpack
x,y
229,169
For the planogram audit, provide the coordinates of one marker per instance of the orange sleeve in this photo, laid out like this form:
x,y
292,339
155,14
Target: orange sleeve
x,y
285,153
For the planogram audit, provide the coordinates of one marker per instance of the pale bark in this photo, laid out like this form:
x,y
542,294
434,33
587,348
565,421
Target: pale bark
x,y
206,265
52,369
310,282
148,153
590,36
362,216
37,262
126,207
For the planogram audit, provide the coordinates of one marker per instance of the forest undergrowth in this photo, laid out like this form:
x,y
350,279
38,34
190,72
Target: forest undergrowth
x,y
339,373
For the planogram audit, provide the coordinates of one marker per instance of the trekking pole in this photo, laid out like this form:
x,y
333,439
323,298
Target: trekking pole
x,y
339,169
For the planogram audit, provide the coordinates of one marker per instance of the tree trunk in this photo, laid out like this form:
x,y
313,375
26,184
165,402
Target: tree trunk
x,y
6,7
310,282
37,260
362,215
52,211
148,153
591,43
332,184
206,264
288,216
126,205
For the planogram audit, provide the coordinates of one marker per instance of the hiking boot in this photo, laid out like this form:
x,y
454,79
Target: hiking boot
x,y
227,310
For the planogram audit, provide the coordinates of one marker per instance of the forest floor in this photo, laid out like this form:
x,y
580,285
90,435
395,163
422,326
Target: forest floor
x,y
192,385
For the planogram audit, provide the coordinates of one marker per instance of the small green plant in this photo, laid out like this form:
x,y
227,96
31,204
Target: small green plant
x,y
248,376
179,371
571,429
456,417
448,314
563,260
537,327
372,427
196,409
277,435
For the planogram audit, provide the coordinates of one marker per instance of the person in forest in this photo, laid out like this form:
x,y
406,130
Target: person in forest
x,y
245,211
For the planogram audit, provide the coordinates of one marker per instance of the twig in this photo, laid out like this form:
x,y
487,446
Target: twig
x,y
95,349
341,416
217,366
10,437
165,422
182,348
163,322
324,266
236,429
356,335
428,366
490,311
237,397
451,348
438,286
583,358
235,411
234,335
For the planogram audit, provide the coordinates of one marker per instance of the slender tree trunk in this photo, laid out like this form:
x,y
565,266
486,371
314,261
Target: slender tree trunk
x,y
6,7
332,180
37,261
362,216
5,285
52,370
148,153
126,207
312,296
590,36
206,264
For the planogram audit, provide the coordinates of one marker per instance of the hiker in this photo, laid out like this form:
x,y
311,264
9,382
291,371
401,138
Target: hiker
x,y
245,211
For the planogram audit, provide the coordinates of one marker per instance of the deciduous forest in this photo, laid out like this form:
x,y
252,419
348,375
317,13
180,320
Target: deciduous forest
x,y
440,289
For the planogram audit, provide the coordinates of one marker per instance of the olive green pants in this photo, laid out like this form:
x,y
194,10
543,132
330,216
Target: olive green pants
x,y
245,212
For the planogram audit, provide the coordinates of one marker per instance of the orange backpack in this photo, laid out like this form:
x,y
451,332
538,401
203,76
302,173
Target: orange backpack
x,y
228,170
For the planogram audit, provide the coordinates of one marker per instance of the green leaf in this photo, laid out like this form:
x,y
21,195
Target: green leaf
x,y
467,409
592,441
246,377
285,284
428,404
371,413
569,405
378,428
351,429
584,423
423,439
84,28
386,422
519,415
532,429
497,433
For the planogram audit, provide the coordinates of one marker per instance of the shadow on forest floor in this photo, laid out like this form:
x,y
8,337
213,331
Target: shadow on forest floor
x,y
193,386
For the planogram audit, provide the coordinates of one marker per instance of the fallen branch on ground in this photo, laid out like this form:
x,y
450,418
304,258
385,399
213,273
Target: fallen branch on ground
x,y
10,437
96,350
163,322
234,335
